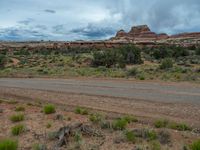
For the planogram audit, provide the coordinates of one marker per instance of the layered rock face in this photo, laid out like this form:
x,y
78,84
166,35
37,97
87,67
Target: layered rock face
x,y
143,33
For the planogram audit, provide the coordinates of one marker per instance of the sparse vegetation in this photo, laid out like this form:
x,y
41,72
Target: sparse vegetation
x,y
155,145
49,109
82,111
18,129
161,123
179,126
17,117
96,118
8,144
120,124
166,63
19,108
195,145
130,136
39,147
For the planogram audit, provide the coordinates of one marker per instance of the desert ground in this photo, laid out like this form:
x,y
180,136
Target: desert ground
x,y
147,102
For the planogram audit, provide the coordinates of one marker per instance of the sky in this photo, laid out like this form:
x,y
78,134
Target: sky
x,y
69,20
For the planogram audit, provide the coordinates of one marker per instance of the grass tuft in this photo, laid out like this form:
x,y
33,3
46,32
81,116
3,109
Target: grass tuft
x,y
17,117
119,124
81,111
161,123
18,129
49,109
8,144
20,108
195,145
130,136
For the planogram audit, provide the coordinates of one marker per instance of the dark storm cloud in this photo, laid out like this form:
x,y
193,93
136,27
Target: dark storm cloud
x,y
70,19
93,32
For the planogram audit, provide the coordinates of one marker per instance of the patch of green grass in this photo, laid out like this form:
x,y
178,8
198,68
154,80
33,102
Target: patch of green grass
x,y
49,109
39,147
12,102
19,108
179,126
81,111
130,136
18,129
96,118
119,124
8,144
155,145
151,135
195,145
130,118
161,123
17,117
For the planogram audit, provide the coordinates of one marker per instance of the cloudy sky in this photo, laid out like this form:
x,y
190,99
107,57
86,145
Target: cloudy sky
x,y
93,19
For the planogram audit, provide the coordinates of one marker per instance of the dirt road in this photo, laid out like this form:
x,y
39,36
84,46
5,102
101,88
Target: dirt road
x,y
162,92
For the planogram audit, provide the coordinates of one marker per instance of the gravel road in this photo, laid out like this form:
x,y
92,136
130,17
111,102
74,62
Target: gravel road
x,y
150,91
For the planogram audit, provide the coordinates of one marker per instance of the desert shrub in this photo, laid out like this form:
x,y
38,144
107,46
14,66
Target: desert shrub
x,y
161,123
132,72
151,135
96,118
2,60
129,135
130,119
49,109
17,117
119,124
195,145
18,129
155,145
164,137
81,111
198,51
180,51
179,126
166,63
8,144
105,124
78,137
20,108
162,52
117,57
39,147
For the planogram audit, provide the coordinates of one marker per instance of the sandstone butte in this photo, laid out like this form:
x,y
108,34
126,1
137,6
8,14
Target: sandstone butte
x,y
138,35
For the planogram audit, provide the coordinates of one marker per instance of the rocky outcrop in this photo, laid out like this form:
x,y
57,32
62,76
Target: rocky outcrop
x,y
143,33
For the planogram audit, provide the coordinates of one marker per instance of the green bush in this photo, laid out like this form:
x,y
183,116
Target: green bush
x,y
49,109
117,57
132,72
195,145
166,63
18,129
130,136
161,123
155,145
119,124
96,118
2,60
179,126
198,51
130,119
8,144
151,135
81,111
17,117
20,108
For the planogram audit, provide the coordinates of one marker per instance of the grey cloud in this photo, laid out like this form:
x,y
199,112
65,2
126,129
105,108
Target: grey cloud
x,y
50,11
